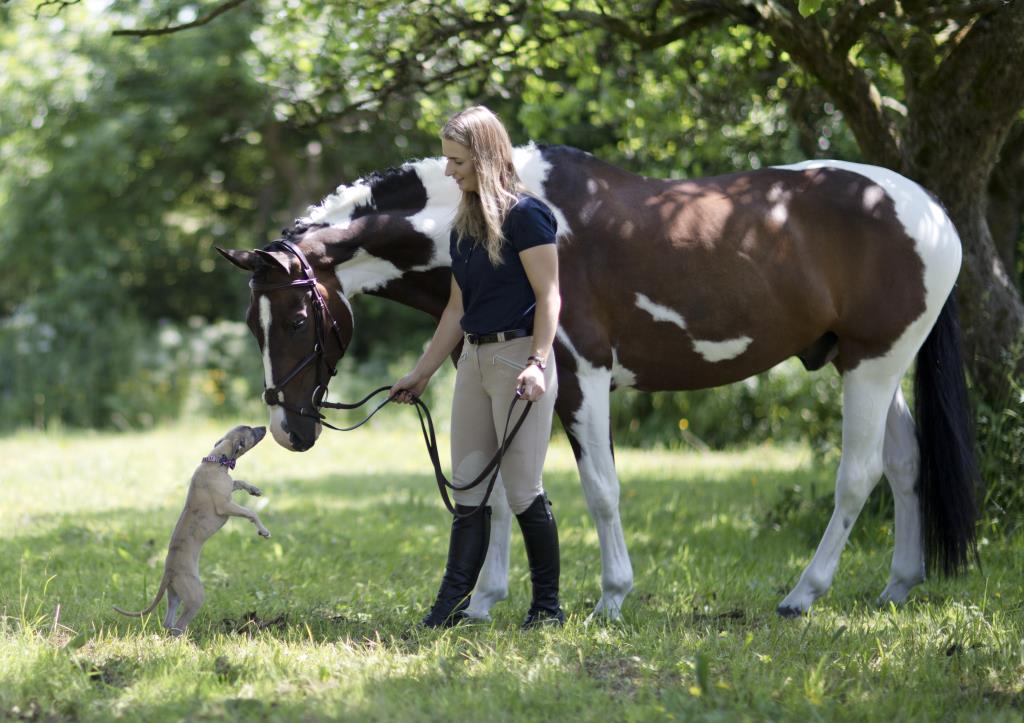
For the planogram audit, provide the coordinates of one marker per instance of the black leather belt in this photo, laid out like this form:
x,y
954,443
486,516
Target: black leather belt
x,y
499,336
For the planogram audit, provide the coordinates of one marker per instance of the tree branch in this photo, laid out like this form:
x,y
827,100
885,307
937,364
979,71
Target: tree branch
x,y
847,84
57,5
198,22
852,21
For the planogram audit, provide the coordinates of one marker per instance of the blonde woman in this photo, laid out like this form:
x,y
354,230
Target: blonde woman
x,y
503,306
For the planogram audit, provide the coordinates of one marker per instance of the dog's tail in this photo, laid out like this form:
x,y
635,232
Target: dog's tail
x,y
156,601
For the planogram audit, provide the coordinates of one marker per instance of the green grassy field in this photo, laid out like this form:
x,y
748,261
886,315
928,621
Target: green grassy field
x,y
318,622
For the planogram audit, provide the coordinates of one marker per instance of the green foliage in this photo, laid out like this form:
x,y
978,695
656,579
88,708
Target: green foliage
x,y
120,372
784,404
1000,441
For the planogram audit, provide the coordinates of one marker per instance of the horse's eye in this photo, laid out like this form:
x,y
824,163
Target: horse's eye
x,y
299,323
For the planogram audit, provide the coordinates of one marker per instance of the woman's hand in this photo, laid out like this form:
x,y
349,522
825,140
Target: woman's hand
x,y
530,383
408,387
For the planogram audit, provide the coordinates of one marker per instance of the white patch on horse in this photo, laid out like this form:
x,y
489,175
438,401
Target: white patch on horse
x,y
935,238
621,376
365,272
659,312
716,351
872,197
348,305
435,220
712,351
268,372
777,216
533,172
336,210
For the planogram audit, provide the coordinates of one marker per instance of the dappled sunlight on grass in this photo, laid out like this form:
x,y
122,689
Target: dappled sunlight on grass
x,y
318,622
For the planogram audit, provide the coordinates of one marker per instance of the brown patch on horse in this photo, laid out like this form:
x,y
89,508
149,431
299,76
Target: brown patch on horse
x,y
780,257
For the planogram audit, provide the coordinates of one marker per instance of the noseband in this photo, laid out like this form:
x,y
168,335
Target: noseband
x,y
322,321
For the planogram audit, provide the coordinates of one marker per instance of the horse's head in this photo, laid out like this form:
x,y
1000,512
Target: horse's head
x,y
303,324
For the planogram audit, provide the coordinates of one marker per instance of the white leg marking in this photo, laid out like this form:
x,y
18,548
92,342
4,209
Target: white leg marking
x,y
492,585
901,460
866,398
591,430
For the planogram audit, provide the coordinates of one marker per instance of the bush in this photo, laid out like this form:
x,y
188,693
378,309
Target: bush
x,y
97,366
785,403
1000,445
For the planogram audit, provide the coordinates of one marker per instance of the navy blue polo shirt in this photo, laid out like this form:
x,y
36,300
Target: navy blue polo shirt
x,y
499,299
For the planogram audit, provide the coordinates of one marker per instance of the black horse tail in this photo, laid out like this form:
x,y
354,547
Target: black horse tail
x,y
948,481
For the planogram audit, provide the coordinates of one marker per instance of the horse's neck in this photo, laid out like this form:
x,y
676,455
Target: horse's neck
x,y
396,261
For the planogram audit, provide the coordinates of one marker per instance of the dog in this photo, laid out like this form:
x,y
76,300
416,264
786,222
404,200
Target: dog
x,y
207,507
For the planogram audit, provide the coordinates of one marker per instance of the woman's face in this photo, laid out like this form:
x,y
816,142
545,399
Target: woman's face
x,y
460,165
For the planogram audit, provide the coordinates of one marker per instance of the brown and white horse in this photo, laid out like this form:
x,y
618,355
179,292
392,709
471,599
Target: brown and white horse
x,y
670,285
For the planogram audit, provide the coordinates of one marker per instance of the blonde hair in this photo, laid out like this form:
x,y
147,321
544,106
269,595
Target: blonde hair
x,y
480,214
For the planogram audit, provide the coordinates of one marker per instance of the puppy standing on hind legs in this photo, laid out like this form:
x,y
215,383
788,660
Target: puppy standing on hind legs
x,y
207,507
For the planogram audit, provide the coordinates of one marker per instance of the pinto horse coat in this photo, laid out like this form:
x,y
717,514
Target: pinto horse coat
x,y
670,285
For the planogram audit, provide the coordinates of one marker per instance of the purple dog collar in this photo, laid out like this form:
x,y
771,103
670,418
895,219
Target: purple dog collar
x,y
221,460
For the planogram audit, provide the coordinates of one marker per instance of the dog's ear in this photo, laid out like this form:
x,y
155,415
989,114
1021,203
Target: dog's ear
x,y
245,260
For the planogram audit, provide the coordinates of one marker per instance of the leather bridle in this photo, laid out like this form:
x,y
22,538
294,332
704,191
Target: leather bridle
x,y
323,322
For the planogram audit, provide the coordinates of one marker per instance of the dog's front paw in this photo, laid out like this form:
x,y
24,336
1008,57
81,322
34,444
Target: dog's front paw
x,y
254,491
264,532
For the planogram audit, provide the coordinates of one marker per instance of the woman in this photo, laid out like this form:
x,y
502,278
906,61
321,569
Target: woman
x,y
503,306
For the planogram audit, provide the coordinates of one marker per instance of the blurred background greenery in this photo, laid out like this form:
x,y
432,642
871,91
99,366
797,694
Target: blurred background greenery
x,y
125,158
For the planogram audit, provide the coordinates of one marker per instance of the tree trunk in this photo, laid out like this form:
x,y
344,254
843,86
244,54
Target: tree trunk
x,y
991,312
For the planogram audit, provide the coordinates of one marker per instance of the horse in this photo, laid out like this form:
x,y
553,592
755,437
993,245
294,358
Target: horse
x,y
673,285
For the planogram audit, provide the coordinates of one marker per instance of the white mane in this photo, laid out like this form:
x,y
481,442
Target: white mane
x,y
365,272
336,209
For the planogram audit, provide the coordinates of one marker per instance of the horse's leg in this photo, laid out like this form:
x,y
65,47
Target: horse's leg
x,y
589,428
901,461
867,394
492,585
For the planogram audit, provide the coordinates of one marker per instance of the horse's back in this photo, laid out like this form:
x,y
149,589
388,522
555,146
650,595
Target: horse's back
x,y
696,283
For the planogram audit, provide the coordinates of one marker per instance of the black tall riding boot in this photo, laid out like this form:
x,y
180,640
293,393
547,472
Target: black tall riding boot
x,y
541,537
467,548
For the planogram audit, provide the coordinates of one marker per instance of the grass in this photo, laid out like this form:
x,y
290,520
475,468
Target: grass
x,y
318,623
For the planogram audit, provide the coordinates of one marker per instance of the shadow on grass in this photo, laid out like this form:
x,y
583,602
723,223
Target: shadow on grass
x,y
359,556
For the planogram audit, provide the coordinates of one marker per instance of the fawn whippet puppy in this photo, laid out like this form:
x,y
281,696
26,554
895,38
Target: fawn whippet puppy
x,y
207,507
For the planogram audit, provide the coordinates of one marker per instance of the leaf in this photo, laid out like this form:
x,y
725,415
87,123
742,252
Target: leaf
x,y
809,7
703,673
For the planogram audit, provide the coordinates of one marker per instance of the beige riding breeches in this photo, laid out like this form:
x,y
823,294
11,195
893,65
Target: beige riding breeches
x,y
485,384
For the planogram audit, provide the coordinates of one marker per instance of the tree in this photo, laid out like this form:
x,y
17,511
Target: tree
x,y
929,89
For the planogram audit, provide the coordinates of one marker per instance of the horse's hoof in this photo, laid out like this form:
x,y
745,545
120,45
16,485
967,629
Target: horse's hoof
x,y
788,611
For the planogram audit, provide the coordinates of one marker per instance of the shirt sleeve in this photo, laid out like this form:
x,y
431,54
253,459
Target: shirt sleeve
x,y
531,224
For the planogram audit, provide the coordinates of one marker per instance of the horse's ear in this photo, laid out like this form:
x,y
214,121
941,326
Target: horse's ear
x,y
245,260
275,259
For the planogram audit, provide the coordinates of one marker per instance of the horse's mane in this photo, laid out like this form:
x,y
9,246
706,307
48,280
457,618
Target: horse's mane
x,y
387,190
